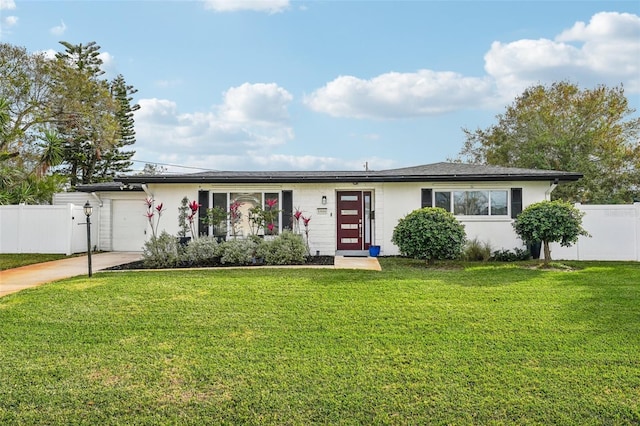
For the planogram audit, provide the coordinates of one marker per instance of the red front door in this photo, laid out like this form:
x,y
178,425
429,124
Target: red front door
x,y
350,220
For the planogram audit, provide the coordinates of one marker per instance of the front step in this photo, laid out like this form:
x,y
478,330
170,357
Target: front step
x,y
352,253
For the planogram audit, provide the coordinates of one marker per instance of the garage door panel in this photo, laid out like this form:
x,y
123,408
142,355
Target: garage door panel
x,y
129,225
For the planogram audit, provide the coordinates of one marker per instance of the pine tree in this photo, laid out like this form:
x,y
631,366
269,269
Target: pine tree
x,y
117,161
85,58
85,111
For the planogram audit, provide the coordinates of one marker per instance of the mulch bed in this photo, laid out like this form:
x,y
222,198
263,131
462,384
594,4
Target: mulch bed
x,y
311,260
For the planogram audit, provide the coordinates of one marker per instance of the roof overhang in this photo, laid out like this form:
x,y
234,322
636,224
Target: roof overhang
x,y
437,172
115,186
346,178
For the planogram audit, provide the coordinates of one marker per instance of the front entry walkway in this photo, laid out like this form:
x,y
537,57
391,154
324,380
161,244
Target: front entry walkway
x,y
370,263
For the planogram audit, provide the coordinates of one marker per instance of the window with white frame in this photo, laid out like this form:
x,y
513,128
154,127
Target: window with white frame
x,y
473,202
275,207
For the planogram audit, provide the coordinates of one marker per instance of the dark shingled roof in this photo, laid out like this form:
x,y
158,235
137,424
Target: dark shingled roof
x,y
109,186
436,172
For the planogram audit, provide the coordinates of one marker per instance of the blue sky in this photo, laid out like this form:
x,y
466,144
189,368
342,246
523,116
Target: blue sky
x,y
331,85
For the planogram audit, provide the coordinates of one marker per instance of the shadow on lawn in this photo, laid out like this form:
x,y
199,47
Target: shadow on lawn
x,y
609,297
466,274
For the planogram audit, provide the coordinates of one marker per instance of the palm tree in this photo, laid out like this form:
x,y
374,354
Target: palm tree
x,y
4,130
53,151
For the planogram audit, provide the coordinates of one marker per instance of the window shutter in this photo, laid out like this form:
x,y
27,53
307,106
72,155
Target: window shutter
x,y
203,200
427,199
287,210
516,202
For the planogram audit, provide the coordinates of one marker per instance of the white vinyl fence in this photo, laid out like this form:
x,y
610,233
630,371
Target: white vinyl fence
x,y
614,229
615,234
45,229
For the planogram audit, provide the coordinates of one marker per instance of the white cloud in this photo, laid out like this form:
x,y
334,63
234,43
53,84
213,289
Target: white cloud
x,y
49,53
239,134
310,162
257,160
168,83
7,22
59,29
252,120
108,62
269,6
604,51
397,95
263,103
605,26
7,4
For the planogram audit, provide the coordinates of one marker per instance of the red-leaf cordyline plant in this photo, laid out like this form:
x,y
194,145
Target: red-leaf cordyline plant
x,y
270,214
154,220
194,206
296,220
305,221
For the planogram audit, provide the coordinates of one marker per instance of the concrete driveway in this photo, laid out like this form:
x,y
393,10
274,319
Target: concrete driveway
x,y
13,280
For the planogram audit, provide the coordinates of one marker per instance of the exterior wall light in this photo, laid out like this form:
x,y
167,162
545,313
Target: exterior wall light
x,y
324,200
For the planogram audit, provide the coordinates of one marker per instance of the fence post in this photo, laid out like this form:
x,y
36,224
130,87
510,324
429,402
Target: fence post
x,y
69,232
21,227
637,222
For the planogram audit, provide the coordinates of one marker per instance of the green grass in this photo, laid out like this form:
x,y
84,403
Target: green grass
x,y
8,261
487,344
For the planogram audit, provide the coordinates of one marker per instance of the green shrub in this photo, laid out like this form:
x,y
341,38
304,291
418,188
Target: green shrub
x,y
476,250
511,256
203,251
238,252
161,252
286,249
431,233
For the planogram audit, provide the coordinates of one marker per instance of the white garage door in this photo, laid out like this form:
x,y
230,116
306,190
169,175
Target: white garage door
x,y
129,225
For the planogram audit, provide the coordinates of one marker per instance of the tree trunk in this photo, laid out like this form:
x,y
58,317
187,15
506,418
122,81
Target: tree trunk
x,y
547,253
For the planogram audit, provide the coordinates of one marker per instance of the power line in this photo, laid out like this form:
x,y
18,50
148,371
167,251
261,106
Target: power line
x,y
174,165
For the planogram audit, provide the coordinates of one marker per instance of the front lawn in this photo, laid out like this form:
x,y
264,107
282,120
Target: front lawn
x,y
487,344
8,261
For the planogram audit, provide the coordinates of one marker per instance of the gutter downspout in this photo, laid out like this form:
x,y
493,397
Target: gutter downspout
x,y
94,195
547,193
145,188
97,220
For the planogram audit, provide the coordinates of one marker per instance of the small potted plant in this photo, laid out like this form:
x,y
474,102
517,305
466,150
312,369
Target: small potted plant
x,y
186,220
183,226
256,219
217,218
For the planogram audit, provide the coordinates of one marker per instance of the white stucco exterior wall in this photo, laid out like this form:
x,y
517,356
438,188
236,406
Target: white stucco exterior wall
x,y
391,202
402,198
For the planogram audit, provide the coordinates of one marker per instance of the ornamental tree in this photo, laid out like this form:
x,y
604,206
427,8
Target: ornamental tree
x,y
550,221
430,233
